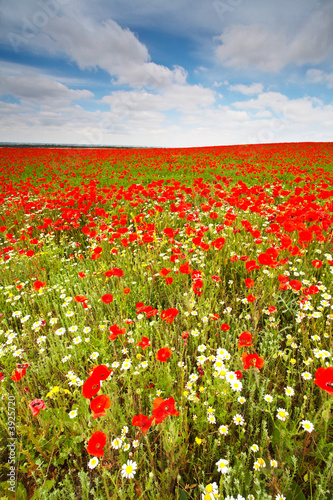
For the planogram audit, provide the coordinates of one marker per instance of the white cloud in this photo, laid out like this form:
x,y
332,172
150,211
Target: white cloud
x,y
29,86
319,76
143,118
255,88
182,98
258,46
274,100
92,44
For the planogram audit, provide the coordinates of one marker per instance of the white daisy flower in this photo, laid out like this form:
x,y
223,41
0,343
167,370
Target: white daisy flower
x,y
128,470
282,414
117,443
93,462
222,466
307,425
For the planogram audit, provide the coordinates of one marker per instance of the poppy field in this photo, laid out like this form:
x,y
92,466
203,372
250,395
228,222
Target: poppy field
x,y
166,323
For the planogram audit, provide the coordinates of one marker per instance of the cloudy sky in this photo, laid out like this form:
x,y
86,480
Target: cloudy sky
x,y
171,74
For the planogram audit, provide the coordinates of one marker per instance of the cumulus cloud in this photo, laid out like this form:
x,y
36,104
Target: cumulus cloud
x,y
29,86
264,100
258,46
182,98
255,88
141,118
319,76
93,44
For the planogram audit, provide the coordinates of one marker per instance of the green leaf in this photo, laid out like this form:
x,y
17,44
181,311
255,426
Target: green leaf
x,y
183,495
43,490
4,488
295,493
21,492
326,415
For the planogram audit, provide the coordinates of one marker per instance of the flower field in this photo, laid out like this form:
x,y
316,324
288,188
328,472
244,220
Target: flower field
x,y
166,323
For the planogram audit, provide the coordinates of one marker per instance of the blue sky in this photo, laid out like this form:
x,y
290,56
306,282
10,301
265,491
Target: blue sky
x,y
180,73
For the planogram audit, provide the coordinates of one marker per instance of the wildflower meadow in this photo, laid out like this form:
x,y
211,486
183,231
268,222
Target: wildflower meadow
x,y
166,323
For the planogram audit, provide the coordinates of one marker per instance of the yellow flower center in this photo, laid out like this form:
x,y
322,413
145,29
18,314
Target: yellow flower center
x,y
129,469
209,488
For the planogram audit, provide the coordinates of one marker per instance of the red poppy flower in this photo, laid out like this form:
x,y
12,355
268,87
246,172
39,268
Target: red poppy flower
x,y
144,343
272,309
169,315
245,339
283,279
305,236
115,331
143,422
96,444
19,373
238,374
324,379
317,263
99,404
251,298
163,354
196,240
285,241
107,298
163,409
313,290
101,372
185,268
91,387
164,272
251,265
295,284
81,275
225,327
150,312
218,243
127,290
265,260
39,284
168,231
80,298
115,271
36,405
168,281
252,360
249,283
